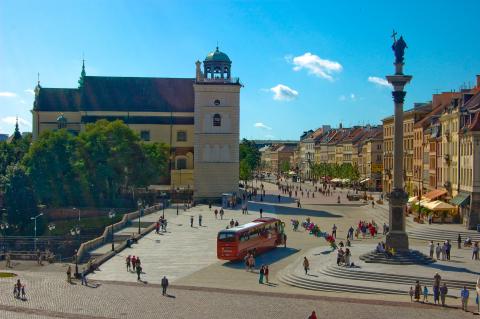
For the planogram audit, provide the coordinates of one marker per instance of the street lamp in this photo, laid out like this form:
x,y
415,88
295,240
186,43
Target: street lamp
x,y
163,204
111,214
4,227
75,232
140,213
35,229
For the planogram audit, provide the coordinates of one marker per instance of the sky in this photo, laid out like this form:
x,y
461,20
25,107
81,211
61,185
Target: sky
x,y
303,64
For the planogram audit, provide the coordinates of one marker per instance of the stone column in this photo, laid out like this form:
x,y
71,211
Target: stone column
x,y
397,237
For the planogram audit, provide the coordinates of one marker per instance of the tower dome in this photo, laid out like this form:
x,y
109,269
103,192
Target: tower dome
x,y
217,65
218,56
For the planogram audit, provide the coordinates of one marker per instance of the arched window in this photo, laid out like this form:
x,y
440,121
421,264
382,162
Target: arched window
x,y
181,163
217,120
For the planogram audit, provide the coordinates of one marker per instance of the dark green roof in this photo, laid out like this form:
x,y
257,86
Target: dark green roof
x,y
217,56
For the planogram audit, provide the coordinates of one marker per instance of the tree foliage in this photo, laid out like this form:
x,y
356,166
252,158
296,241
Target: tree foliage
x,y
250,157
345,170
19,197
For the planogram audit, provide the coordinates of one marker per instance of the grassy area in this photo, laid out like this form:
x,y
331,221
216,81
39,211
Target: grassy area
x,y
7,275
63,227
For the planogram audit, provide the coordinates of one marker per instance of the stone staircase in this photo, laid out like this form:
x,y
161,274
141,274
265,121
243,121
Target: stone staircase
x,y
356,274
412,257
307,282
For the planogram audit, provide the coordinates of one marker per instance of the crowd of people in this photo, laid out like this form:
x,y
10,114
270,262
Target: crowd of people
x,y
440,291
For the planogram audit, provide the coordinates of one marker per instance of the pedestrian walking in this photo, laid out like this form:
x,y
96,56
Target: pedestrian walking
x,y
418,289
191,221
164,285
221,213
312,316
127,262
438,251
464,294
261,212
139,270
262,273
216,213
425,294
334,231
443,293
284,240
17,289
69,274
210,205
431,248
279,197
24,294
475,251
83,275
266,272
200,220
459,241
8,261
306,265
411,292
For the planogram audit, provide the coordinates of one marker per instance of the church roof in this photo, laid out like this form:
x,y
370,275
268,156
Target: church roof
x,y
101,93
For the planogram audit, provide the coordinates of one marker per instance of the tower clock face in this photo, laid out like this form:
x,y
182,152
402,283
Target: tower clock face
x,y
216,102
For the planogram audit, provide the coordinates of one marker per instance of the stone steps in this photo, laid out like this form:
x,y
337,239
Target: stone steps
x,y
314,284
355,274
442,235
411,258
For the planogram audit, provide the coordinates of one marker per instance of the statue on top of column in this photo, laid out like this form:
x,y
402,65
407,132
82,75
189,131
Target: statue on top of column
x,y
398,48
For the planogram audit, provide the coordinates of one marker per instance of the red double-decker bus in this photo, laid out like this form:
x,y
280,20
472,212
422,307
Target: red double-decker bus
x,y
258,236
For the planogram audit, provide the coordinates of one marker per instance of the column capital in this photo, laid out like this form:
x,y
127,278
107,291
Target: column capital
x,y
399,96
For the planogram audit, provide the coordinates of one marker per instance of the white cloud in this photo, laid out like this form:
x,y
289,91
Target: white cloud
x,y
379,81
7,94
350,97
283,93
11,120
30,91
262,126
315,65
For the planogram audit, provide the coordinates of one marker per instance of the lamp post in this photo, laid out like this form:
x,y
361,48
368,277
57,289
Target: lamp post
x,y
140,211
75,232
163,204
4,227
35,231
111,214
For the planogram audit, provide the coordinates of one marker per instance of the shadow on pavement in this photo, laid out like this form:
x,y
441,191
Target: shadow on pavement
x,y
273,199
452,268
283,210
267,258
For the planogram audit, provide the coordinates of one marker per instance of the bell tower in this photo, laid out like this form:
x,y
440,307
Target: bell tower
x,y
217,128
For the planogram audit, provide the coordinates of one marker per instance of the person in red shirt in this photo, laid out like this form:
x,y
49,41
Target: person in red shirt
x,y
313,315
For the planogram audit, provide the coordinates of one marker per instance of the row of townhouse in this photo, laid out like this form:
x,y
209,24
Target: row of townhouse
x,y
441,151
360,146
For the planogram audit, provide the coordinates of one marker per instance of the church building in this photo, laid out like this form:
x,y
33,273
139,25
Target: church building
x,y
198,117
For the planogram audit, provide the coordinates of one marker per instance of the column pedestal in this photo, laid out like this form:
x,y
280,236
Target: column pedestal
x,y
397,237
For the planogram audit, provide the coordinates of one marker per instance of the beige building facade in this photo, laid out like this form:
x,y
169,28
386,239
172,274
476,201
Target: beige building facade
x,y
197,117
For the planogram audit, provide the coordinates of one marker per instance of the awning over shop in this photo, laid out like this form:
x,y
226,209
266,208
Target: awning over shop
x,y
435,194
413,200
461,199
438,206
364,180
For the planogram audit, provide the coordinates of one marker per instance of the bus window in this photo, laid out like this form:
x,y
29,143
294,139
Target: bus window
x,y
226,236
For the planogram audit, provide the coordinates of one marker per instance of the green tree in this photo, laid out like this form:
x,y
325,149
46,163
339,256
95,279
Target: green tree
x,y
284,167
154,165
245,171
250,153
19,198
112,157
7,157
51,166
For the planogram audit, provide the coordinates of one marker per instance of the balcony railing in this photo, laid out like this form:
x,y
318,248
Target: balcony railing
x,y
235,80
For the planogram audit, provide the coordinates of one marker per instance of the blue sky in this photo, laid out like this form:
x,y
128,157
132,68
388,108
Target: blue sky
x,y
303,63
